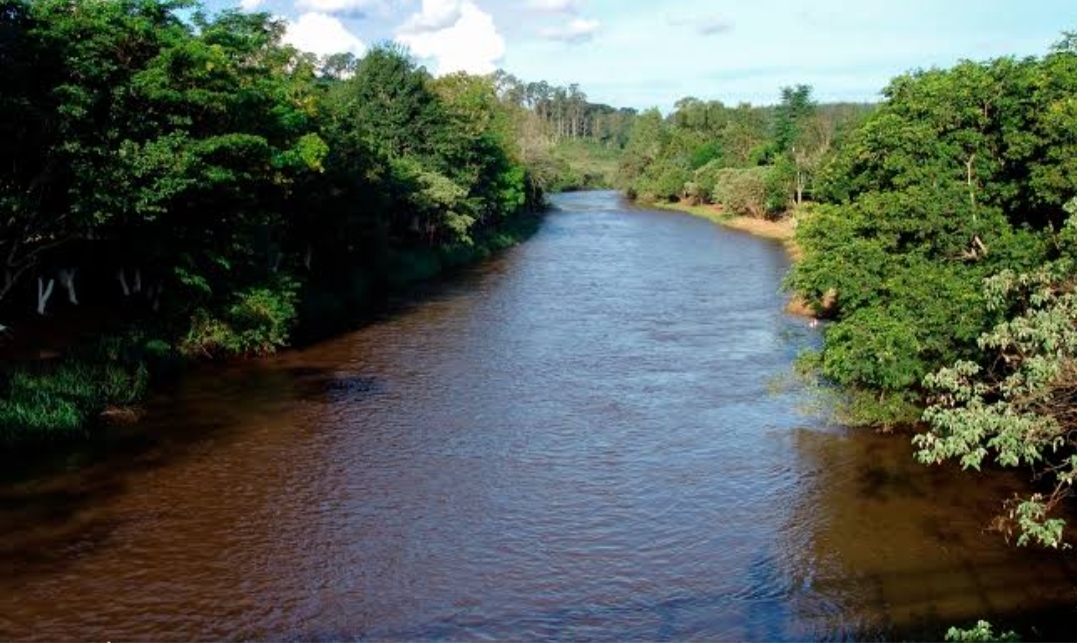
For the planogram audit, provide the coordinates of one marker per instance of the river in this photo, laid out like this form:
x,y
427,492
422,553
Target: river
x,y
579,440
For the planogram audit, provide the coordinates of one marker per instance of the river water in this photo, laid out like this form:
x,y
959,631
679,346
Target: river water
x,y
579,440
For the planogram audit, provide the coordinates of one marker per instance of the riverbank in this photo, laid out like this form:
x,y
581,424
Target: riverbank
x,y
783,230
68,379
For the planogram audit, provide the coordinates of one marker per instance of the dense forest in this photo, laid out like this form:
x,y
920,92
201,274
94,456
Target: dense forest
x,y
938,234
181,186
752,160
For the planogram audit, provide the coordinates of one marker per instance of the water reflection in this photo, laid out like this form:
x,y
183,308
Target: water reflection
x,y
888,548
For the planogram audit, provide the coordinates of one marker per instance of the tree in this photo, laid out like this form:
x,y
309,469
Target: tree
x,y
68,70
937,190
1017,401
790,116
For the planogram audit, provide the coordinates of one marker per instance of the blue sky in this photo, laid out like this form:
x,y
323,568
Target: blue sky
x,y
639,53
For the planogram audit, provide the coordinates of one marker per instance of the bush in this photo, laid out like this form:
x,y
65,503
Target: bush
x,y
983,632
668,184
258,323
705,180
742,191
779,187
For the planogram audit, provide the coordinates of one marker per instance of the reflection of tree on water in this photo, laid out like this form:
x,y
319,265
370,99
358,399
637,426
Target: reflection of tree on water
x,y
883,546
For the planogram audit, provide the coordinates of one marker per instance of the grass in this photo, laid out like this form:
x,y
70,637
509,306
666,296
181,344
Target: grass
x,y
56,400
592,165
45,403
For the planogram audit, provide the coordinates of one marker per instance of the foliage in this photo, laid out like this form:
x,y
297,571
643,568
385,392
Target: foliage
x,y
1015,403
983,632
742,191
678,157
215,180
257,323
584,165
52,402
937,190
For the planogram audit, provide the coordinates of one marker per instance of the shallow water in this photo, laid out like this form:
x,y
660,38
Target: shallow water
x,y
577,440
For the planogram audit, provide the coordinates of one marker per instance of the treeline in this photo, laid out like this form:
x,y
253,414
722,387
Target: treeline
x,y
939,238
567,141
754,161
566,112
214,187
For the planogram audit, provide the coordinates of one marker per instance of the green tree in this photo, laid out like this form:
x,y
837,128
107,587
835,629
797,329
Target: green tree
x,y
1014,403
932,194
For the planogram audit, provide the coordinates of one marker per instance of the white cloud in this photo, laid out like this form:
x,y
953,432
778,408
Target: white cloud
x,y
434,16
577,30
709,25
351,7
322,34
250,5
553,6
469,43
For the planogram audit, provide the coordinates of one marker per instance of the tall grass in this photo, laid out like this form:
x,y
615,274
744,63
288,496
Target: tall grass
x,y
58,400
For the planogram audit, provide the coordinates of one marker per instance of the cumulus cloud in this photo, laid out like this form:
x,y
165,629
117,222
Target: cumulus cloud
x,y
322,34
456,34
577,30
704,25
355,8
434,16
250,5
554,6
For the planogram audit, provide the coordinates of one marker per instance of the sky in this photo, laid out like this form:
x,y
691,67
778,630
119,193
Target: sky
x,y
650,53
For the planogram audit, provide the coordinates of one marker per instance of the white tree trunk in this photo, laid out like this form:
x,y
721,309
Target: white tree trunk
x,y
308,256
67,280
157,296
43,294
9,283
123,283
138,280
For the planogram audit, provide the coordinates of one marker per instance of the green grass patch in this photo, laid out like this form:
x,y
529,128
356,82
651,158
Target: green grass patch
x,y
60,400
585,165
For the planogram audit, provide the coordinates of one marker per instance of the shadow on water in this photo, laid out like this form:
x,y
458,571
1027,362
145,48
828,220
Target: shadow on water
x,y
49,501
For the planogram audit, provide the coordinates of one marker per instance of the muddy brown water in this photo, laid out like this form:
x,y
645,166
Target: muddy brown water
x,y
578,440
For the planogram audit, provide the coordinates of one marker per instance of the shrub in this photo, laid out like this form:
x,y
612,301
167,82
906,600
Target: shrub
x,y
983,632
257,323
705,180
742,191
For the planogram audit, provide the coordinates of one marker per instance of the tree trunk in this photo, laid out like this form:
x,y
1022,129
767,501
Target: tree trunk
x,y
9,283
67,280
123,282
43,294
